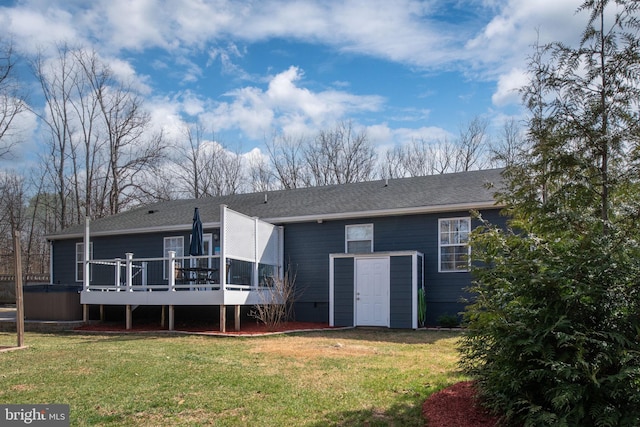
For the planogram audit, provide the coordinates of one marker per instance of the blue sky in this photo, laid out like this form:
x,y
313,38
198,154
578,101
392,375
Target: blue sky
x,y
400,69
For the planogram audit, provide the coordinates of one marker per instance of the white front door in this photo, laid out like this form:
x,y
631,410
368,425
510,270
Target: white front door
x,y
372,292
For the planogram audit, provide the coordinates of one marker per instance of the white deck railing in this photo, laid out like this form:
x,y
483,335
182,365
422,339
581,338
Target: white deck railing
x,y
185,280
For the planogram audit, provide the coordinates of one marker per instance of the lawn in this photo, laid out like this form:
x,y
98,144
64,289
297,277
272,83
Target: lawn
x,y
343,377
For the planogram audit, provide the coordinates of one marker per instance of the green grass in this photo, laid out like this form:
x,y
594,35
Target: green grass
x,y
348,377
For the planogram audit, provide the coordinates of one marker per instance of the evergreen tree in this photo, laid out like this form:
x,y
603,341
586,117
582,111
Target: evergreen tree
x,y
554,333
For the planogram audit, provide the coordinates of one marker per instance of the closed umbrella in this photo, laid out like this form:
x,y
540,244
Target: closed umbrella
x,y
197,240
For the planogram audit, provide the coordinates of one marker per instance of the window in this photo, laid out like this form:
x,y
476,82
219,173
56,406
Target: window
x,y
359,238
453,248
207,249
80,261
175,244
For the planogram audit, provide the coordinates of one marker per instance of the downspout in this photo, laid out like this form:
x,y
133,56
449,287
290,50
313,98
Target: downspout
x,y
281,266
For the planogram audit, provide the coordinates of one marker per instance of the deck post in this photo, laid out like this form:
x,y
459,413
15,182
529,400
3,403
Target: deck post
x,y
129,271
85,313
129,316
144,275
171,318
86,270
101,312
171,274
237,317
162,316
117,274
223,318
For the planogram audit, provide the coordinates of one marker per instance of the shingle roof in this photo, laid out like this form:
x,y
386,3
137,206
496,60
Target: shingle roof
x,y
432,193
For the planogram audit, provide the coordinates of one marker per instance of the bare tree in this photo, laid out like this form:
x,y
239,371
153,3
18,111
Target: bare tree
x,y
206,167
471,146
87,113
260,174
57,79
99,146
394,163
227,173
39,223
510,146
11,100
12,201
424,157
340,155
286,155
192,159
12,209
130,152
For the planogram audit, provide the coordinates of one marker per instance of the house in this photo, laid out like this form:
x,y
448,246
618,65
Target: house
x,y
359,252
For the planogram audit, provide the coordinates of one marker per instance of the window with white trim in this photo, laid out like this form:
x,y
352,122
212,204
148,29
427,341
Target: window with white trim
x,y
453,244
359,238
176,244
80,261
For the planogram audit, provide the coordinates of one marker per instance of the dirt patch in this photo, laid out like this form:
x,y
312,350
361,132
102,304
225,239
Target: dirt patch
x,y
456,406
247,328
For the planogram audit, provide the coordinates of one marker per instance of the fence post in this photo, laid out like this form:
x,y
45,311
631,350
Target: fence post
x,y
129,276
171,274
19,300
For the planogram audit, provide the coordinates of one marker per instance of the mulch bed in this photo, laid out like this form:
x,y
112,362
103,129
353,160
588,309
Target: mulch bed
x,y
456,406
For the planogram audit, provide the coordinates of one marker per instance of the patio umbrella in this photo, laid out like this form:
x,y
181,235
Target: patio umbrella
x,y
197,246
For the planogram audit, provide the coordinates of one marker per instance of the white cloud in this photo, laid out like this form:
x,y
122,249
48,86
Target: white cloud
x,y
166,118
400,31
24,147
132,24
285,105
403,31
226,56
192,104
490,42
35,30
383,135
507,91
507,39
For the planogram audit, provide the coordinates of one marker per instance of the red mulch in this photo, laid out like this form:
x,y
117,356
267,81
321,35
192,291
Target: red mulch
x,y
456,406
246,328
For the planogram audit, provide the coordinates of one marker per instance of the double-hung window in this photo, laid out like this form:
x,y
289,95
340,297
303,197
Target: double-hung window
x,y
80,260
175,244
453,247
359,238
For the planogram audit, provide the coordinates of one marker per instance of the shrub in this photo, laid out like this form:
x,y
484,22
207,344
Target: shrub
x,y
448,321
277,299
553,335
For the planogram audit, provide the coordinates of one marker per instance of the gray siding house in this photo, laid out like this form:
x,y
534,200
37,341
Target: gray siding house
x,y
360,252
